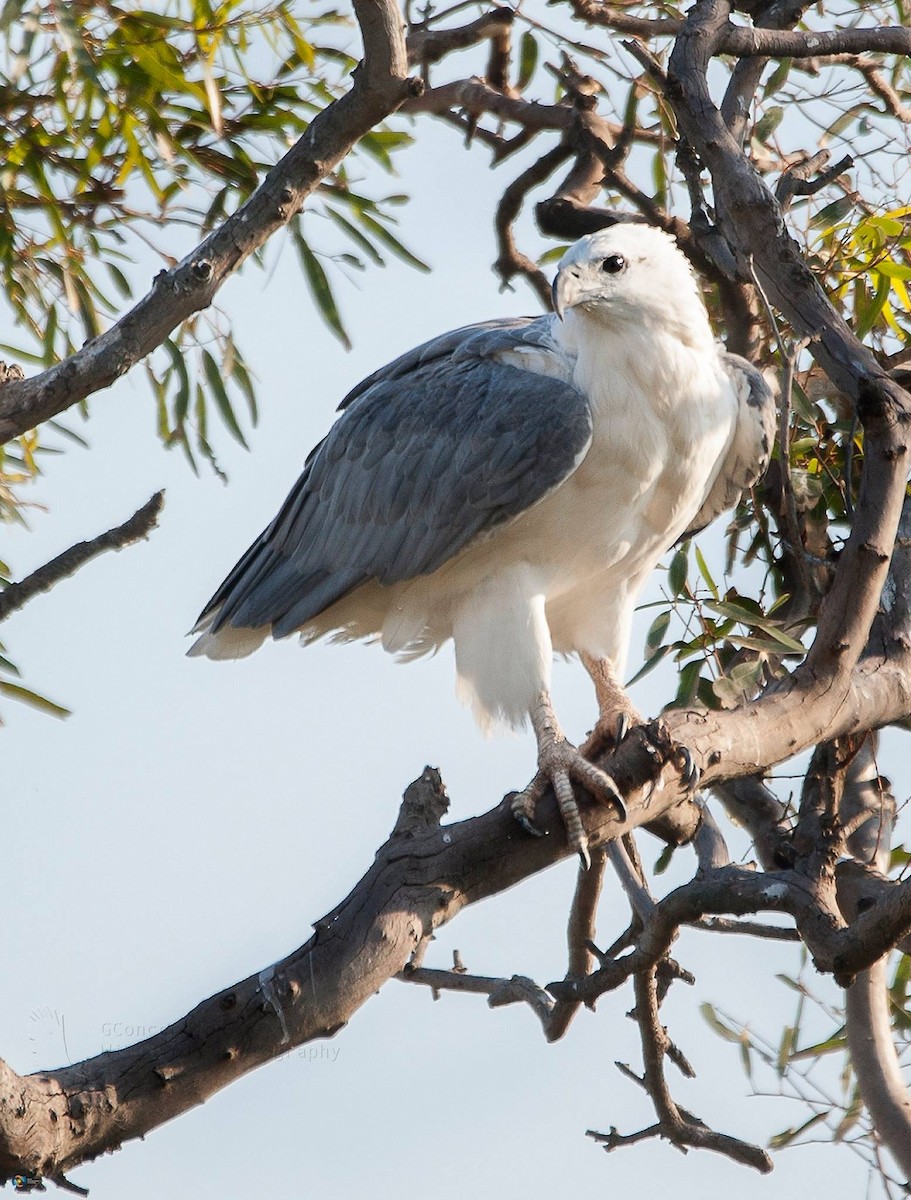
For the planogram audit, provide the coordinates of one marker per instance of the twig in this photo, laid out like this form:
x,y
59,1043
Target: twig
x,y
426,45
774,933
631,880
580,932
511,261
709,844
797,181
139,526
678,1126
519,989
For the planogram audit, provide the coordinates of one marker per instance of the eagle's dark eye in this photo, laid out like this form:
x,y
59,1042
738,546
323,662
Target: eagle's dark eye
x,y
613,264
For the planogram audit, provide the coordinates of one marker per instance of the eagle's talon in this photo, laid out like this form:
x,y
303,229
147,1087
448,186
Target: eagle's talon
x,y
689,772
522,818
623,727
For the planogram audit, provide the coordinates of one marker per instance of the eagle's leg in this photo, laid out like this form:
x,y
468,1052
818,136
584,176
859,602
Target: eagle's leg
x,y
616,712
559,763
616,715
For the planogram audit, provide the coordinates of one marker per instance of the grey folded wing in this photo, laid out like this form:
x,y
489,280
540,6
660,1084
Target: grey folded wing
x,y
751,446
437,449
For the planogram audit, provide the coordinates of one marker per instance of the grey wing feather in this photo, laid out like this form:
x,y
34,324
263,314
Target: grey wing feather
x,y
437,449
748,454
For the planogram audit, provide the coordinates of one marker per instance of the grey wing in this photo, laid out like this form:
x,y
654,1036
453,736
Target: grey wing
x,y
438,449
748,454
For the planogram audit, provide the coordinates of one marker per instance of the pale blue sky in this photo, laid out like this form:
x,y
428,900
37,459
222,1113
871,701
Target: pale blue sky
x,y
191,820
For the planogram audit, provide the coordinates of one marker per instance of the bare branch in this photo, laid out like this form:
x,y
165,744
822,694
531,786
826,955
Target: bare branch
x,y
139,526
678,1126
476,96
868,804
709,844
511,261
593,12
751,804
798,179
785,43
499,992
772,933
631,880
748,42
381,84
427,45
580,933
754,226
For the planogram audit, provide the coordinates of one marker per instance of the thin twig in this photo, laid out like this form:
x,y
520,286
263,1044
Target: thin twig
x,y
139,526
511,261
678,1126
580,932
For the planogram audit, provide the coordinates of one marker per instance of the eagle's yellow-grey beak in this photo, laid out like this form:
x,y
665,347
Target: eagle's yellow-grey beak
x,y
565,291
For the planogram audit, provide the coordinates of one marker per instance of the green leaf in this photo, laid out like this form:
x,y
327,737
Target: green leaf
x,y
382,234
651,663
16,691
785,1047
830,1046
704,572
739,611
768,123
870,313
663,860
220,395
528,59
687,684
320,287
677,572
356,236
656,632
241,377
182,398
780,1140
777,78
717,1025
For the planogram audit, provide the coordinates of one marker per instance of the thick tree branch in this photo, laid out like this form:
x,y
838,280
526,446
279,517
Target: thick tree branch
x,y
786,43
869,806
746,42
753,224
139,526
421,879
381,84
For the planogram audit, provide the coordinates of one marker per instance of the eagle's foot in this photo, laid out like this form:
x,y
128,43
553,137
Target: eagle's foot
x,y
616,712
559,765
663,749
609,731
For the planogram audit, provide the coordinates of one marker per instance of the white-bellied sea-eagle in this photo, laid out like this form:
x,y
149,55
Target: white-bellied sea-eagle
x,y
510,485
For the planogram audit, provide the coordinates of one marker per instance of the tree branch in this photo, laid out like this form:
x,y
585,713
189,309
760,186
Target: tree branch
x,y
427,45
381,84
580,936
868,804
680,1127
139,526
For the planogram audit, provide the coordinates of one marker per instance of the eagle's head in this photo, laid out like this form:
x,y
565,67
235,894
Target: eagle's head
x,y
632,274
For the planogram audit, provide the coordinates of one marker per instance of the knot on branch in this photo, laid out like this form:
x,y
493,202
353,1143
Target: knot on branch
x,y
10,372
881,399
424,804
